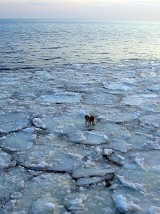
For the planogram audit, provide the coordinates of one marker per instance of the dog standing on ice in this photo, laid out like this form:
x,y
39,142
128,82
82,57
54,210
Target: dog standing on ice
x,y
89,120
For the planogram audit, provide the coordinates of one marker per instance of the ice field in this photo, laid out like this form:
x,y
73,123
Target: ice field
x,y
52,162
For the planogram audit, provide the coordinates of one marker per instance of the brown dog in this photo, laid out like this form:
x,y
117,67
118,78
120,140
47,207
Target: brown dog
x,y
89,120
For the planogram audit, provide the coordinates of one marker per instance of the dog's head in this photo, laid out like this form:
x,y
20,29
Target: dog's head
x,y
87,117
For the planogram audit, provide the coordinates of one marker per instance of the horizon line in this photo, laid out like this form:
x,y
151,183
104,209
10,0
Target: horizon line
x,y
54,19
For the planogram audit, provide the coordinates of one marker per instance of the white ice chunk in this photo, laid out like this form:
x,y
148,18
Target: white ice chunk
x,y
108,151
37,122
126,183
77,204
123,206
140,163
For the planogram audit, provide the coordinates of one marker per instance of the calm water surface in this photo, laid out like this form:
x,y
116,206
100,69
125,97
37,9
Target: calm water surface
x,y
39,44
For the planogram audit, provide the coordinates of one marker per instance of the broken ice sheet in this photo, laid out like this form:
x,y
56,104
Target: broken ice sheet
x,y
46,204
56,149
43,192
12,181
139,188
143,161
89,202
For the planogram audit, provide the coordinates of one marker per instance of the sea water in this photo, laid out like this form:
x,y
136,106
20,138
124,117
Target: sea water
x,y
52,73
34,44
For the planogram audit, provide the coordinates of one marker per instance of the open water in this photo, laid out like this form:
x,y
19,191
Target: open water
x,y
34,44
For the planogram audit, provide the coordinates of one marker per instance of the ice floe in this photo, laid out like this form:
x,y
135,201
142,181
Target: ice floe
x,y
43,157
141,99
18,141
96,138
13,121
125,206
65,97
51,161
125,86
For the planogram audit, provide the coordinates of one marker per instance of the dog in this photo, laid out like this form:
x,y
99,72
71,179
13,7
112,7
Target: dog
x,y
89,120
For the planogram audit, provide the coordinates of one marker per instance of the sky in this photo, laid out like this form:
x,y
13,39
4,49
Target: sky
x,y
111,10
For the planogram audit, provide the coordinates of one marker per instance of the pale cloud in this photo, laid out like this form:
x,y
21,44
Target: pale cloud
x,y
82,9
84,1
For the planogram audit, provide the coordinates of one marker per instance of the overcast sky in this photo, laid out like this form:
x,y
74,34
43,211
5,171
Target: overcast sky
x,y
116,10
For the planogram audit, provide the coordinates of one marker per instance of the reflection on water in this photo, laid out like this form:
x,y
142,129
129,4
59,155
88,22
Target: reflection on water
x,y
29,44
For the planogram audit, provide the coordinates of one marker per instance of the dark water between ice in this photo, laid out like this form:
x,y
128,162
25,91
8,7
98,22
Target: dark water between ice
x,y
36,44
